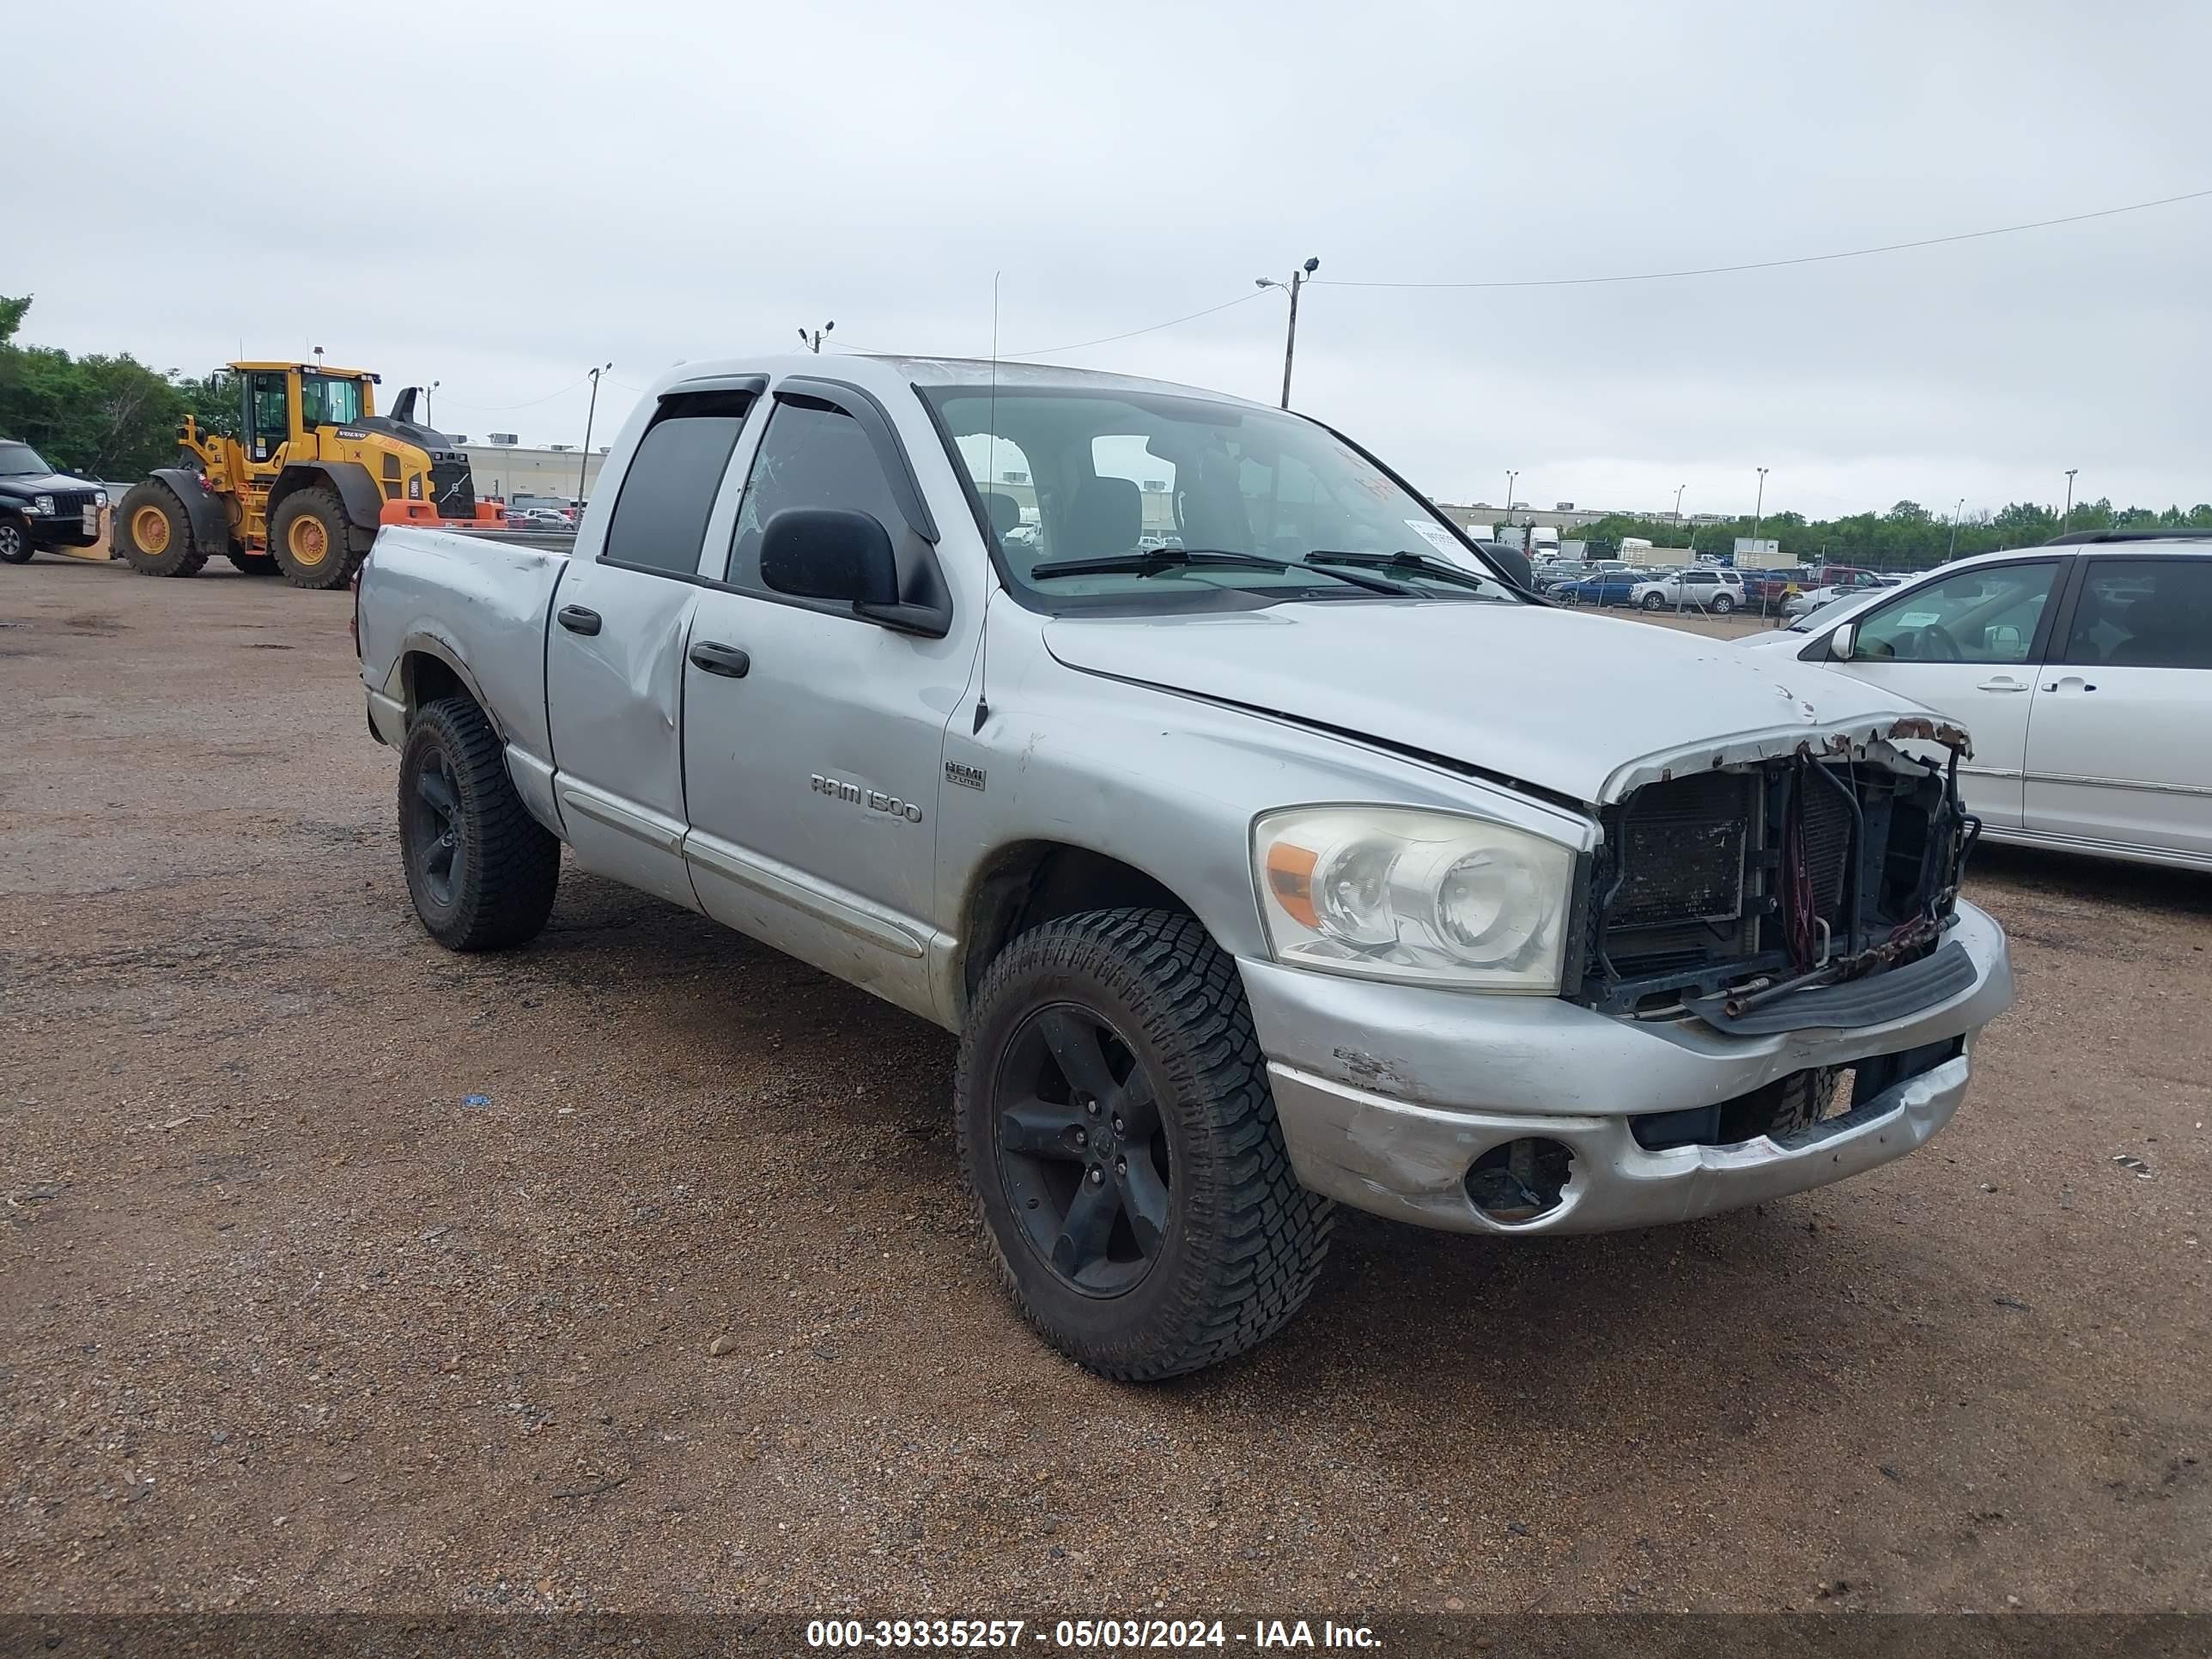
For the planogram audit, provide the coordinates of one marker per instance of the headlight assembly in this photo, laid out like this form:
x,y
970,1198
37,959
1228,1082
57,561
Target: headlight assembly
x,y
1425,897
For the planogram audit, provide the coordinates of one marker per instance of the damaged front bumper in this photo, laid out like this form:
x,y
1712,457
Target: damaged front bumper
x,y
1388,1096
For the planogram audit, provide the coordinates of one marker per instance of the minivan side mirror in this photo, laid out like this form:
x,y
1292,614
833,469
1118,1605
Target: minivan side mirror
x,y
1842,641
835,553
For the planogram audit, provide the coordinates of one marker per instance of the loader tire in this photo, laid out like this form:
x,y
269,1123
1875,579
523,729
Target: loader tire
x,y
481,870
311,540
154,533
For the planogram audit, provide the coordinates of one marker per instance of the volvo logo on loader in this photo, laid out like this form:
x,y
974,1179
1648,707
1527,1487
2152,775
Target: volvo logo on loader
x,y
874,799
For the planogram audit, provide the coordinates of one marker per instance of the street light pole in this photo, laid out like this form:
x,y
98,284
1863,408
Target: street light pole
x,y
1509,478
1955,512
1759,513
589,414
426,391
813,342
1299,278
2067,522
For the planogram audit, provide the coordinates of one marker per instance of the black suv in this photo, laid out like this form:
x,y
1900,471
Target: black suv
x,y
41,507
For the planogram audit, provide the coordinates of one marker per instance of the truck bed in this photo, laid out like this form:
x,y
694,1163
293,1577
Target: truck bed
x,y
480,598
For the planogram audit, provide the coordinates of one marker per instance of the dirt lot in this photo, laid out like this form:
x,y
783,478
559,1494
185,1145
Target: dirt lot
x,y
295,1319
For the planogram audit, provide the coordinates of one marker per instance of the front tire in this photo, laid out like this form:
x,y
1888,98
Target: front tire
x,y
1654,602
481,870
154,533
311,540
1119,1144
15,545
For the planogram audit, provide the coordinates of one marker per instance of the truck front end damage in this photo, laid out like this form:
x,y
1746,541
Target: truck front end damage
x,y
1772,984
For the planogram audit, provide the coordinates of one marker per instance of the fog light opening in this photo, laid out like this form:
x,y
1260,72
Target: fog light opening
x,y
1520,1180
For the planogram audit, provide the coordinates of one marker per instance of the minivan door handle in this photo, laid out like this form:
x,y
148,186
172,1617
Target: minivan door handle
x,y
2002,682
724,659
578,620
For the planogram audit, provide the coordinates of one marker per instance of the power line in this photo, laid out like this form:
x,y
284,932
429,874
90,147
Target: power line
x,y
1152,328
1045,351
501,408
1775,265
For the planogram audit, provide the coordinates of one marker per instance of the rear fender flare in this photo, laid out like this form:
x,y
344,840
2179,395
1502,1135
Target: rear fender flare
x,y
426,643
204,513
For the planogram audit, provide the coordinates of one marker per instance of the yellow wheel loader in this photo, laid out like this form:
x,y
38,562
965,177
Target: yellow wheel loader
x,y
303,489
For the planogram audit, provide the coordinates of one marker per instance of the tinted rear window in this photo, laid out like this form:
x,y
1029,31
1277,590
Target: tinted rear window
x,y
660,518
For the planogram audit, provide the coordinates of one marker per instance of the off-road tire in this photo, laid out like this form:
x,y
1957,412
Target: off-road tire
x,y
253,564
15,543
1245,1242
342,544
177,554
512,865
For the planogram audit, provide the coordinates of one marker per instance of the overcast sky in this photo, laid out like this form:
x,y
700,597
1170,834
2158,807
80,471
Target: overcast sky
x,y
497,196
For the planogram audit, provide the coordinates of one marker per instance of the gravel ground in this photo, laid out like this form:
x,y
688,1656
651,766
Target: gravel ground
x,y
338,1271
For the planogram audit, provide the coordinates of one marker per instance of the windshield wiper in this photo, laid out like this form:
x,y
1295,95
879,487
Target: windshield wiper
x,y
1417,564
1154,560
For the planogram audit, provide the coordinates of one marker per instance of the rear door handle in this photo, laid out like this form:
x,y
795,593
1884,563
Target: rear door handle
x,y
2071,682
724,659
2002,685
578,620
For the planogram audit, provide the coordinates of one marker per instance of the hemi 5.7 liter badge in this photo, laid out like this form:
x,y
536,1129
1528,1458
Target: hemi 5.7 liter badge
x,y
968,777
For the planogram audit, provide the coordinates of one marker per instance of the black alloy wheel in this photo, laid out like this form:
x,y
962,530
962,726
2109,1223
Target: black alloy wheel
x,y
441,851
1081,1151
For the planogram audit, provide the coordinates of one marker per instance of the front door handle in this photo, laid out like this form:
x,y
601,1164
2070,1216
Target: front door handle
x,y
724,659
578,620
2003,683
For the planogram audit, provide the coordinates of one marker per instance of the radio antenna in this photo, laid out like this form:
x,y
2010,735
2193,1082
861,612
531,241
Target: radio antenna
x,y
990,473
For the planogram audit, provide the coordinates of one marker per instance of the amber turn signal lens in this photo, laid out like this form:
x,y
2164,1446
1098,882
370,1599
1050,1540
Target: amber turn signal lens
x,y
1289,877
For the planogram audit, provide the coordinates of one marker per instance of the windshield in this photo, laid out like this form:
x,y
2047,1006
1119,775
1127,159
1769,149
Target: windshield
x,y
1075,479
21,461
325,400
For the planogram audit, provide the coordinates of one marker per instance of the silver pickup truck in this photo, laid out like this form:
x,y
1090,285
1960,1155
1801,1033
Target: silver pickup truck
x,y
1265,847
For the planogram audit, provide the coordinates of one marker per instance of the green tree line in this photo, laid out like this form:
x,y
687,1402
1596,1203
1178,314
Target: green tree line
x,y
1906,537
101,416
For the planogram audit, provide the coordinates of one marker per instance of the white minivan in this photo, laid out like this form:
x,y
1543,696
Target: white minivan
x,y
2082,670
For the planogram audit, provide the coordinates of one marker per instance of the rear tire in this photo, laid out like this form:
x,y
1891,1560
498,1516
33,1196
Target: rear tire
x,y
154,533
312,539
481,870
1164,1231
1723,604
15,545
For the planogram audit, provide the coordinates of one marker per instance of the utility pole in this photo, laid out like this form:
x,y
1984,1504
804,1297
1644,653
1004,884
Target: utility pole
x,y
584,464
1955,512
2067,522
813,342
1298,279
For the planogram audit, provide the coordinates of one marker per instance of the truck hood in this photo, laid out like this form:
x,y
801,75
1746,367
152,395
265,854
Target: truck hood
x,y
1585,706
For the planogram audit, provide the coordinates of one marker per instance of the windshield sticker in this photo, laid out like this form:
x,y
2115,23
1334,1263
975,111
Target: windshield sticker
x,y
1440,538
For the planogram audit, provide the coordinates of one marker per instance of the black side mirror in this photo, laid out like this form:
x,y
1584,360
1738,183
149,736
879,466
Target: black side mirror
x,y
837,554
829,553
1517,567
